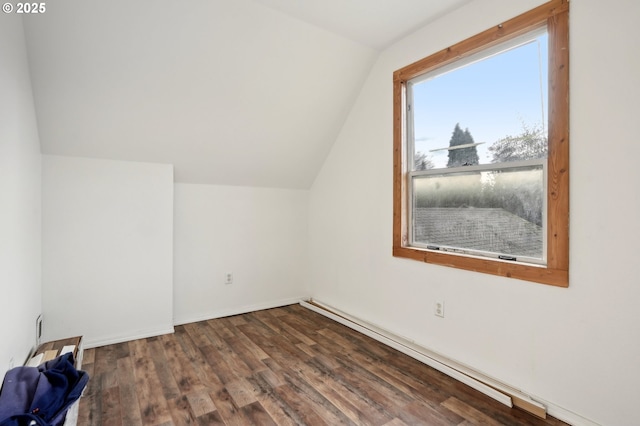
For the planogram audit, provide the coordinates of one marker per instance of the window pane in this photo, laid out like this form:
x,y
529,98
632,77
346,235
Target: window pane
x,y
488,111
495,212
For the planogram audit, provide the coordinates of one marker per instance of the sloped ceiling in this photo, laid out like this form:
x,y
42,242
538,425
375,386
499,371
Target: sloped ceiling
x,y
373,23
232,92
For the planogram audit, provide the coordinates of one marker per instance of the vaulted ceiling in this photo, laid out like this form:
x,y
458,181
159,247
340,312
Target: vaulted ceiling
x,y
232,92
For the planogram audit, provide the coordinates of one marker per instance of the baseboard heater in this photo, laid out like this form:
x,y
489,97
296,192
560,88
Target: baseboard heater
x,y
495,389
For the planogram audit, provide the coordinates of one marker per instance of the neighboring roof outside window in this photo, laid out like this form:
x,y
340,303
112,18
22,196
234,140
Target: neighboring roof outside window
x,y
488,229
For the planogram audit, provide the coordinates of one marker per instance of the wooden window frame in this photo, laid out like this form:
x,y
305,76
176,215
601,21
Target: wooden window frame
x,y
555,15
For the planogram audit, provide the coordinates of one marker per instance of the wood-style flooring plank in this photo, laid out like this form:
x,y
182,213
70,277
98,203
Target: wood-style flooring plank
x,y
396,422
88,357
368,410
300,407
319,403
205,373
163,369
245,354
130,410
469,413
181,413
200,403
111,407
153,405
180,366
241,392
257,415
336,396
419,411
281,366
211,419
277,408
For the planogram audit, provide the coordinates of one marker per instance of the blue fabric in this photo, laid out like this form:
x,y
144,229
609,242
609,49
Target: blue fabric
x,y
41,394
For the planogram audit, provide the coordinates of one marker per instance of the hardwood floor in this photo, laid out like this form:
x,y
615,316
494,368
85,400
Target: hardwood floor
x,y
283,366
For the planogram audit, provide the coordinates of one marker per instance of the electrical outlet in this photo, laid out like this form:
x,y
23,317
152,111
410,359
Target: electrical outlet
x,y
228,278
438,309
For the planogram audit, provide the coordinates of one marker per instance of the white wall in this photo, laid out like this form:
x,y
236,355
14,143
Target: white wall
x,y
20,189
107,249
577,348
258,234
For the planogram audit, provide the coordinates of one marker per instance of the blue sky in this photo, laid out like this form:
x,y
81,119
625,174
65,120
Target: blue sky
x,y
492,98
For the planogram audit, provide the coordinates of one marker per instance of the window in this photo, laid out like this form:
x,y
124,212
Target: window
x,y
481,154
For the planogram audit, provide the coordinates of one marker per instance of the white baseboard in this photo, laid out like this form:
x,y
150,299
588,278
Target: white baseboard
x,y
221,313
141,334
497,390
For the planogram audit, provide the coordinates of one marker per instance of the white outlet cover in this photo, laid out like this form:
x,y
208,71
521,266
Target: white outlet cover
x,y
438,309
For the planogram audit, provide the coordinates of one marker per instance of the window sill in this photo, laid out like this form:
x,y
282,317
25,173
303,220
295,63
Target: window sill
x,y
527,272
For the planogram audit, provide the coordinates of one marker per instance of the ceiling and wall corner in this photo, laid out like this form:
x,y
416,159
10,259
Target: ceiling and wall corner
x,y
247,93
229,92
376,24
